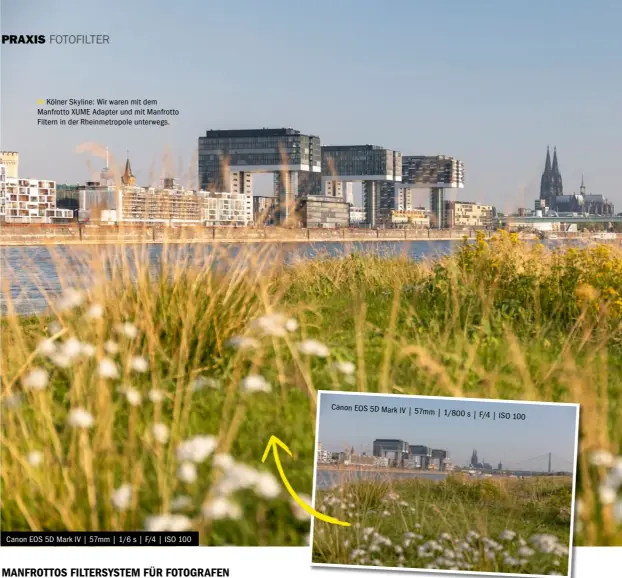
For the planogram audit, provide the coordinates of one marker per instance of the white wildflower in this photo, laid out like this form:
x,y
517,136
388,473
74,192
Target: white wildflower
x,y
525,551
201,382
122,497
35,458
111,347
544,542
87,349
196,449
601,458
238,477
220,508
255,383
273,325
71,348
160,432
108,369
60,360
291,325
70,299
37,379
507,535
345,367
313,347
560,550
128,329
95,311
607,494
267,486
133,396
181,503
168,523
241,342
223,461
55,327
156,395
179,523
139,364
187,472
47,347
80,418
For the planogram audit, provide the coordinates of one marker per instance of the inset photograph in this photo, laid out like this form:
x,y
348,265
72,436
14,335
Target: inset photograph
x,y
445,484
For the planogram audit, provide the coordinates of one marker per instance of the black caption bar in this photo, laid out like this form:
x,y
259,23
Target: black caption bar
x,y
99,538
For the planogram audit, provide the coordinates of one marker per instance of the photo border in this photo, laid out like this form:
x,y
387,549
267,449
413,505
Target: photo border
x,y
447,398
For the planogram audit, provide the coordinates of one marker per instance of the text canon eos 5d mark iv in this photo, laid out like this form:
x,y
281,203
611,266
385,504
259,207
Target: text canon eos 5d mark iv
x,y
23,39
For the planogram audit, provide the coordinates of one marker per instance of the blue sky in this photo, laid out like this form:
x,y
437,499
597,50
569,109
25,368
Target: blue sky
x,y
547,428
489,82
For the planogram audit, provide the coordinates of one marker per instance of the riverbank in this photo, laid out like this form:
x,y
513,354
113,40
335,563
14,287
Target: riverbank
x,y
379,470
37,235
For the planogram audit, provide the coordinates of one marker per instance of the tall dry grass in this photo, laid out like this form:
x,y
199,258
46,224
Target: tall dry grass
x,y
218,352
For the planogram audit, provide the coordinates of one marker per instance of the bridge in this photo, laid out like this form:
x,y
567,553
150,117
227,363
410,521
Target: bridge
x,y
588,220
547,464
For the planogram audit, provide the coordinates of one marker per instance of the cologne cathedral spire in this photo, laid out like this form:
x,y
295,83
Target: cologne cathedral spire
x,y
545,181
557,187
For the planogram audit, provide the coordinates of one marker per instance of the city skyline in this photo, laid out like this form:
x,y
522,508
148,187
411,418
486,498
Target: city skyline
x,y
494,440
502,87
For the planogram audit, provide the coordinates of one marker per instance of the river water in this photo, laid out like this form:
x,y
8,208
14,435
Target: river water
x,y
327,479
29,273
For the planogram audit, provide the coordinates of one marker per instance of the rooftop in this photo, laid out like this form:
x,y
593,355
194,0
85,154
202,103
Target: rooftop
x,y
252,132
367,147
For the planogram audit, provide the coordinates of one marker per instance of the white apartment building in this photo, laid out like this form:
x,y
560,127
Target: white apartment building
x,y
357,215
415,218
143,205
29,201
10,159
465,214
323,456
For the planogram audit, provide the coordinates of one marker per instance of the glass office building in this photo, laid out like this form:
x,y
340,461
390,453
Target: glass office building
x,y
436,173
374,166
361,163
228,157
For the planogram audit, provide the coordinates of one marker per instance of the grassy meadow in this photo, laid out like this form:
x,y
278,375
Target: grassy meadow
x,y
147,400
487,525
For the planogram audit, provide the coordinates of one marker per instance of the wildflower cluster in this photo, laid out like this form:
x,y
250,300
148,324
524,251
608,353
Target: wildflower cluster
x,y
104,381
395,533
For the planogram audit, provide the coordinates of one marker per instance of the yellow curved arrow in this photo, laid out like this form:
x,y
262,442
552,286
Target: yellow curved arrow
x,y
273,444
